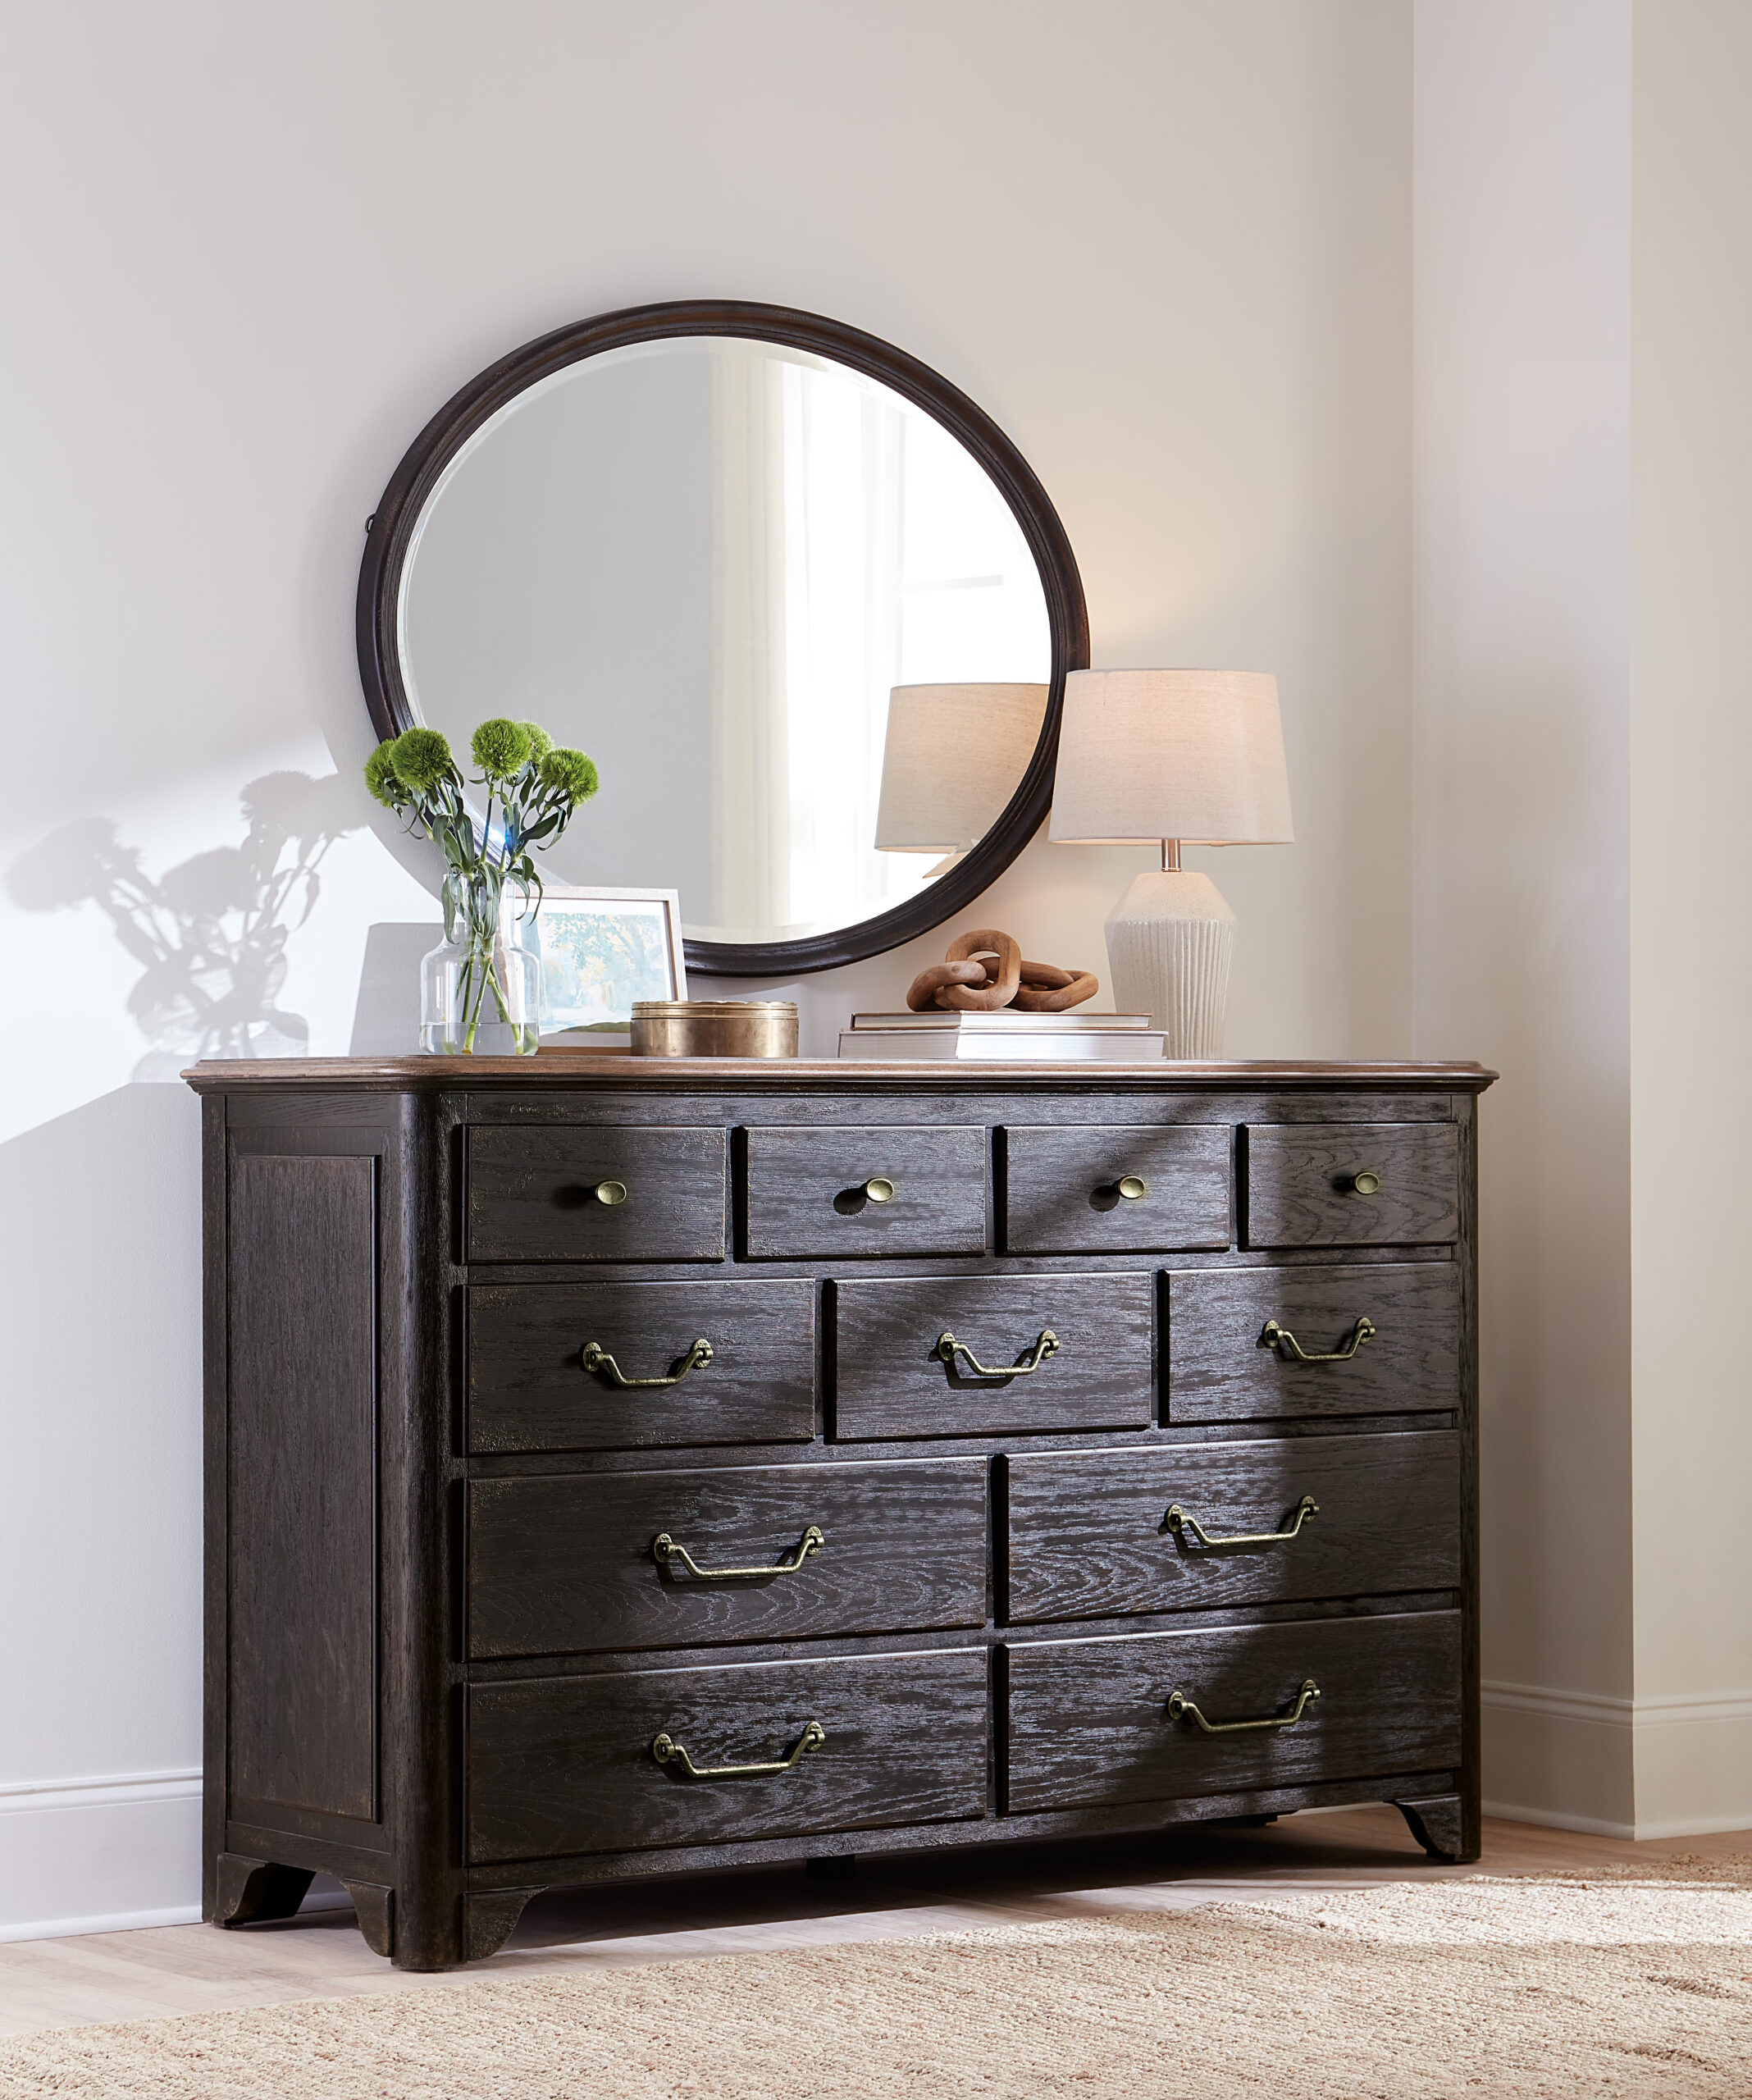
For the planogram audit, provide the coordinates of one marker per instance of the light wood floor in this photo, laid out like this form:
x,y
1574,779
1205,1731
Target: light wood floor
x,y
175,1969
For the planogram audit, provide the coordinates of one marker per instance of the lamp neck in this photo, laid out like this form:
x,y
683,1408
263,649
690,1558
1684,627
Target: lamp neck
x,y
1170,857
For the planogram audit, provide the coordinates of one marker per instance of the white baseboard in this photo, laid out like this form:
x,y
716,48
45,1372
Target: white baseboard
x,y
112,1854
1654,1768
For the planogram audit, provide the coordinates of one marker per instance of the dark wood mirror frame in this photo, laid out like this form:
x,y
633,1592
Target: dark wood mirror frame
x,y
390,533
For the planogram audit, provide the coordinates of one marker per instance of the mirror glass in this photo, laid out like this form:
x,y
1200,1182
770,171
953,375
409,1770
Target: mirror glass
x,y
710,561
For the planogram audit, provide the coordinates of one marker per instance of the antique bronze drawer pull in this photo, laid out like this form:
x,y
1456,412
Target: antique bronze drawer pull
x,y
667,1750
1366,1182
1132,1188
1279,1337
1181,1708
595,1359
880,1190
609,1192
948,1349
1187,1527
664,1549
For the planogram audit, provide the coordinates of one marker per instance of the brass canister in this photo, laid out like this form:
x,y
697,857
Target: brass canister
x,y
714,1027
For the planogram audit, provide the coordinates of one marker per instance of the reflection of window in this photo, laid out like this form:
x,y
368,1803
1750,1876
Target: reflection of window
x,y
858,547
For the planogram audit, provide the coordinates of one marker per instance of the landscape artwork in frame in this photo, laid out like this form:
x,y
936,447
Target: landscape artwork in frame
x,y
601,949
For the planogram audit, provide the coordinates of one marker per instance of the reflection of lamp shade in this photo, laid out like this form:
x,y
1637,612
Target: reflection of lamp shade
x,y
1173,756
954,756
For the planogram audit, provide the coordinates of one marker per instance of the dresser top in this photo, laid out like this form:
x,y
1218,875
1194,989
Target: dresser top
x,y
617,1070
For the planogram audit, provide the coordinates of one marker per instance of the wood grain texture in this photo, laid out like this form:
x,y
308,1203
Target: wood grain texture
x,y
374,1906
1299,1190
530,1193
528,1390
566,1564
1438,1824
804,1200
1221,1369
1087,1539
564,1766
1089,1723
303,1653
246,1891
890,1383
1061,1193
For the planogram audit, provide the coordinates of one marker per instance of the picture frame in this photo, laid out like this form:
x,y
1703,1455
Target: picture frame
x,y
601,949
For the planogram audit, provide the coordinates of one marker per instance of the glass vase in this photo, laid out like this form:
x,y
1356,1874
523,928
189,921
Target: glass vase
x,y
480,987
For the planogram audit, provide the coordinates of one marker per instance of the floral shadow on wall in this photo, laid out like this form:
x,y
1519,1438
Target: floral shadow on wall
x,y
210,934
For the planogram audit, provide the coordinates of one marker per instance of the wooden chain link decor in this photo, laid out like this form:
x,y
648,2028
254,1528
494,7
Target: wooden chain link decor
x,y
984,970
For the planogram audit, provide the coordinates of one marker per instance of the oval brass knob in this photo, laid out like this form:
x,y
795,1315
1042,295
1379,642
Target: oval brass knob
x,y
1133,1187
1365,1182
879,1190
610,1193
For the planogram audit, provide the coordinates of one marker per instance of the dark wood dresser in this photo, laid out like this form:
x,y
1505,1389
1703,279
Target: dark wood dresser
x,y
618,1467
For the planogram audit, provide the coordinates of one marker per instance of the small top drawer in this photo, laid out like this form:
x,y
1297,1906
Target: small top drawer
x,y
1353,1185
565,1194
834,1195
1127,1188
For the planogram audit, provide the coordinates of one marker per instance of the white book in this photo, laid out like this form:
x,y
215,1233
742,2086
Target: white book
x,y
1006,1021
1115,1045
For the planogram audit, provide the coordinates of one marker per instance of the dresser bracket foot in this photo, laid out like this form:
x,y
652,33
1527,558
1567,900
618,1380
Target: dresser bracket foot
x,y
250,1892
492,1916
374,1909
1436,1823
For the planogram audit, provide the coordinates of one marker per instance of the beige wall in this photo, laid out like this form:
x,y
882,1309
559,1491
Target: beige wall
x,y
1522,479
1691,913
247,251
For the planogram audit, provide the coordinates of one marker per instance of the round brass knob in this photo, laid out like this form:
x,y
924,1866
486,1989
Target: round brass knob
x,y
610,1193
1365,1182
879,1190
1133,1187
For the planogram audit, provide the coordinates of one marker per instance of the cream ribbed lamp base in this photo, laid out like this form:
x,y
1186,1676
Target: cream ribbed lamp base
x,y
1171,940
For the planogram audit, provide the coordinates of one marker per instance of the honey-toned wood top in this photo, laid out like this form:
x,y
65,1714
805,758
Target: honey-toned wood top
x,y
618,1070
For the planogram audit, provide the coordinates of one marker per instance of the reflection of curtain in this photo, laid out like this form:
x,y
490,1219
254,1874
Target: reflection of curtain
x,y
749,758
807,635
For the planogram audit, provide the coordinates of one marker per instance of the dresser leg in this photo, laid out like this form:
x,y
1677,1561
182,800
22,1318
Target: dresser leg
x,y
492,1916
374,1909
247,1892
1436,1823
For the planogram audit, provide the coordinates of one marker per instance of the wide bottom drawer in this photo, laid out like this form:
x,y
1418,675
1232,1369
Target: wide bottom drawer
x,y
635,1759
1162,1716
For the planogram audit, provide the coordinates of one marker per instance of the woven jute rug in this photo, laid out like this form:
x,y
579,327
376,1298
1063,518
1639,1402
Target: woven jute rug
x,y
1609,1985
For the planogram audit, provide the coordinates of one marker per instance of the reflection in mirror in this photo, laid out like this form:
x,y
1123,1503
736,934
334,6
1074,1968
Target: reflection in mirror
x,y
709,561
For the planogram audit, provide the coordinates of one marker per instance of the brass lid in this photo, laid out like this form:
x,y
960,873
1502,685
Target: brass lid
x,y
709,1009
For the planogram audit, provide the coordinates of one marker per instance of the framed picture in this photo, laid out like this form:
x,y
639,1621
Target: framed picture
x,y
600,950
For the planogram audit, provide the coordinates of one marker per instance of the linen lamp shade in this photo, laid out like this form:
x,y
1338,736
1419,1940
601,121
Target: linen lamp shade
x,y
953,756
1193,755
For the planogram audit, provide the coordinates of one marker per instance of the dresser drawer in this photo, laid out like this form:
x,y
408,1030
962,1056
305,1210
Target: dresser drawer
x,y
565,1766
1227,1362
1122,1188
568,1193
893,1379
1092,1725
1353,1185
529,1388
835,1194
571,1563
1090,1532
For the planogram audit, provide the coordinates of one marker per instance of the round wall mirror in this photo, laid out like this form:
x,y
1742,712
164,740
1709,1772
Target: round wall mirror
x,y
804,604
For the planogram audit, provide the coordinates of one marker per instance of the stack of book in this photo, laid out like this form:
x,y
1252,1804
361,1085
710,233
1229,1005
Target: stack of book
x,y
1038,1038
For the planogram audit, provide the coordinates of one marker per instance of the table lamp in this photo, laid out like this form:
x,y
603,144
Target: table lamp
x,y
1184,757
953,756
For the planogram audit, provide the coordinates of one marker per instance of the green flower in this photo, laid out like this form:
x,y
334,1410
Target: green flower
x,y
501,748
420,759
379,777
540,743
570,773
